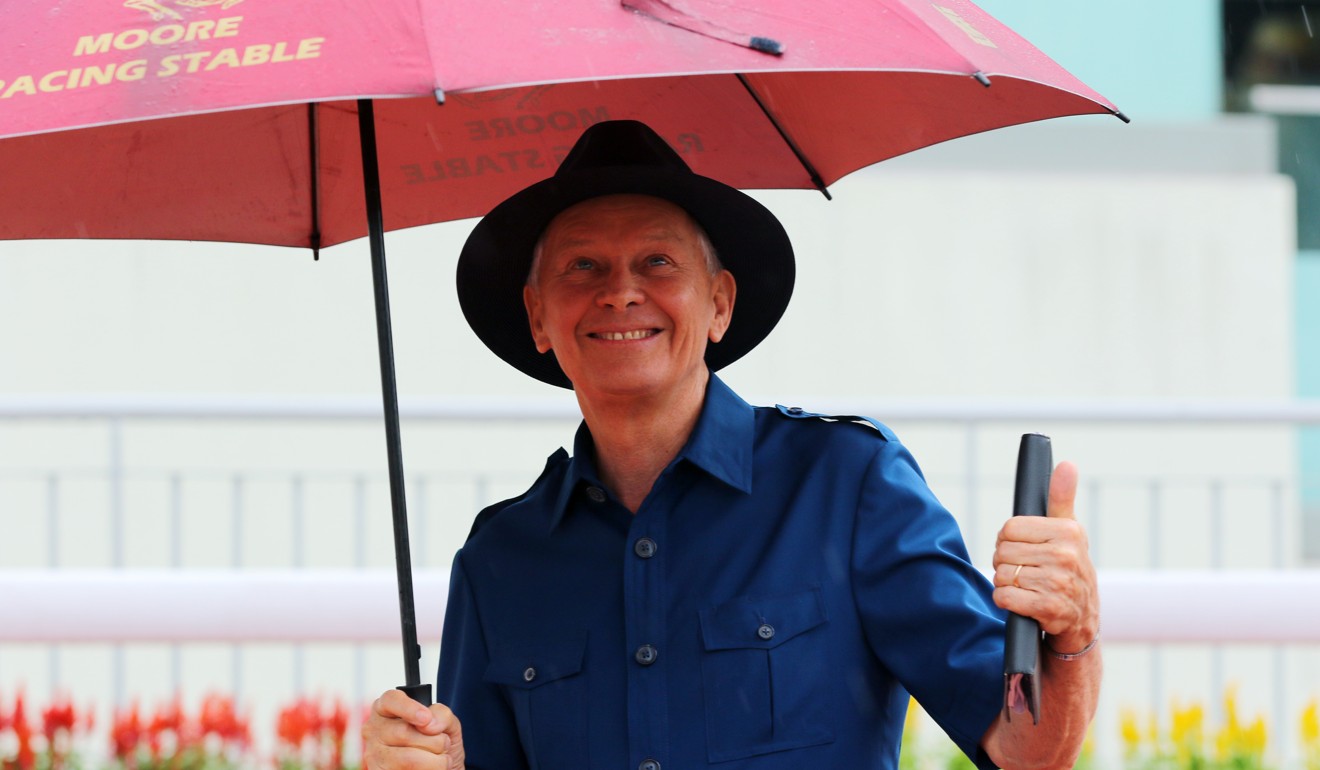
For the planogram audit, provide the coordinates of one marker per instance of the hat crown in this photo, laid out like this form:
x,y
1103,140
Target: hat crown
x,y
620,143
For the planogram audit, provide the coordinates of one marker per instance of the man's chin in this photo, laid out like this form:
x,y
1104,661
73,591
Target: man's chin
x,y
636,382
625,386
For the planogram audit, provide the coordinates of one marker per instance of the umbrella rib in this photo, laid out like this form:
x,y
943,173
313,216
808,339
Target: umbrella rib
x,y
315,235
788,140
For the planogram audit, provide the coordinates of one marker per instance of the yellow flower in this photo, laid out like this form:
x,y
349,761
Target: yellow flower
x,y
1237,743
1131,732
910,722
1254,737
1187,733
1230,709
1310,735
1310,731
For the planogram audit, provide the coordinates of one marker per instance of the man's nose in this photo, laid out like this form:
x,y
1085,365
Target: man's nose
x,y
620,289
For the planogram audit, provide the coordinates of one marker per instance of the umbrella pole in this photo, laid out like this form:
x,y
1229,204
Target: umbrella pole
x,y
412,653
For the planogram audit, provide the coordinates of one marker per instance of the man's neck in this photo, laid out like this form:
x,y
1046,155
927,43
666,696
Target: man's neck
x,y
636,438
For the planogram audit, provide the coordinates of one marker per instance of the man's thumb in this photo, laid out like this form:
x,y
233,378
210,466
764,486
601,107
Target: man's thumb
x,y
1063,490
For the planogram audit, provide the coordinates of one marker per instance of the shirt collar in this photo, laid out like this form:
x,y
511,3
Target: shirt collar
x,y
721,444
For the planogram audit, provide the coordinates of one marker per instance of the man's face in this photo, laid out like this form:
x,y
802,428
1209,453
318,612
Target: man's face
x,y
624,296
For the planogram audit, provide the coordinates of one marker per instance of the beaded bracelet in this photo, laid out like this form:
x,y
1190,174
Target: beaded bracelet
x,y
1073,655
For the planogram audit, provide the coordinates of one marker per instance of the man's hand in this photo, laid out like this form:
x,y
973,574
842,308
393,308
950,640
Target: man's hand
x,y
402,734
1043,569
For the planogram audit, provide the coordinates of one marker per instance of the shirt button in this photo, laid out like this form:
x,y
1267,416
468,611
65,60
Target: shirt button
x,y
649,764
646,654
596,494
529,674
766,631
644,547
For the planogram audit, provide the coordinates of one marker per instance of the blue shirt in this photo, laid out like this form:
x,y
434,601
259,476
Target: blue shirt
x,y
785,584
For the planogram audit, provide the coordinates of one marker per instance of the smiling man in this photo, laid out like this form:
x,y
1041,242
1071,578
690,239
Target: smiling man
x,y
627,292
704,583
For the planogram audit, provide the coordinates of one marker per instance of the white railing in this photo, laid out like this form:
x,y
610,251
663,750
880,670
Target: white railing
x,y
141,605
1295,412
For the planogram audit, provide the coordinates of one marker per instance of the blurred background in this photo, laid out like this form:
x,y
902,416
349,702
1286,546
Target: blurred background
x,y
189,432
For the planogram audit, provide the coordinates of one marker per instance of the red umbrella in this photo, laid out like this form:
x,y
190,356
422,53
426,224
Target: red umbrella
x,y
855,82
234,120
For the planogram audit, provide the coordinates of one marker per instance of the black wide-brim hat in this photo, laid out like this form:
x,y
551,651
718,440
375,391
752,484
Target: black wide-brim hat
x,y
622,157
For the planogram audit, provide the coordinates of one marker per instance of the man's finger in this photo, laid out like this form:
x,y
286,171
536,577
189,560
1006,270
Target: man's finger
x,y
397,705
381,733
442,721
1063,491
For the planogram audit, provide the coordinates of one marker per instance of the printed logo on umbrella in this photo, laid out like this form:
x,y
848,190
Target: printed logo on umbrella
x,y
175,46
966,26
164,9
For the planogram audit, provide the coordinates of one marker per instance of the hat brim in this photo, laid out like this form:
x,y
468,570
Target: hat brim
x,y
750,241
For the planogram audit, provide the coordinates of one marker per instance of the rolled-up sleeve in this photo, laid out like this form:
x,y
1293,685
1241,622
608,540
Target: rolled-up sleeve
x,y
927,612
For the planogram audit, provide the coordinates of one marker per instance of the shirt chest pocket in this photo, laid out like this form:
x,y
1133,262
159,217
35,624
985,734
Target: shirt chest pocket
x,y
765,674
546,688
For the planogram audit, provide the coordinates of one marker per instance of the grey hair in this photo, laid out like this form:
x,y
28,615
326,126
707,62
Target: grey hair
x,y
713,263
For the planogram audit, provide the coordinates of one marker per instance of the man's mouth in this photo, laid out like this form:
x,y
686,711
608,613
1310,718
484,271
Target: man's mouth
x,y
635,334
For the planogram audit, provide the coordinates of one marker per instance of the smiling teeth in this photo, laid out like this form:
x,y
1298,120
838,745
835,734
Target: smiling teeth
x,y
633,335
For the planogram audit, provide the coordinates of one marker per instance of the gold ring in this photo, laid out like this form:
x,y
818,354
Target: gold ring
x,y
1014,582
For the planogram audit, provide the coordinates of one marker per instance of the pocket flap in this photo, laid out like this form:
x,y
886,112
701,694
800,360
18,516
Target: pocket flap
x,y
761,622
532,664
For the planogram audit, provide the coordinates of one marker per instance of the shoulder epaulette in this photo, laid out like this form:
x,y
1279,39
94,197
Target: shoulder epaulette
x,y
798,413
489,512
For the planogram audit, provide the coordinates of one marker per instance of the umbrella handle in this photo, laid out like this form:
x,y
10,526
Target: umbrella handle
x,y
418,692
1022,638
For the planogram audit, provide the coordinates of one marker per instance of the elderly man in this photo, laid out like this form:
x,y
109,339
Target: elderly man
x,y
704,583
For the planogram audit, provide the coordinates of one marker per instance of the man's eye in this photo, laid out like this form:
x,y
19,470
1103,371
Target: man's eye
x,y
657,259
582,264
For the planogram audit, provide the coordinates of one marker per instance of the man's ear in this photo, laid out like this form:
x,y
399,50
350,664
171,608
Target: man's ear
x,y
726,291
532,301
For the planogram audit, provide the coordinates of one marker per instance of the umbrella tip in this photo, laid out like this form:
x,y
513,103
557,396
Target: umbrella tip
x,y
981,78
439,96
766,45
1119,114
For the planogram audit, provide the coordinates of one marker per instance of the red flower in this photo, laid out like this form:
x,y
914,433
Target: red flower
x,y
168,717
219,718
296,722
58,717
59,722
126,733
170,732
312,735
27,757
336,724
337,721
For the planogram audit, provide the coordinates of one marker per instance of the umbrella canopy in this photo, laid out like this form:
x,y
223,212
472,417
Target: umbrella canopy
x,y
782,94
234,120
